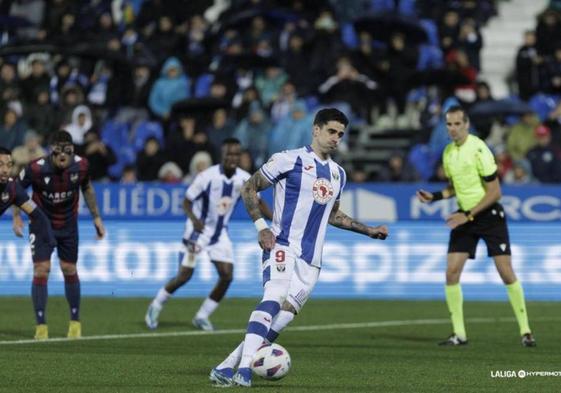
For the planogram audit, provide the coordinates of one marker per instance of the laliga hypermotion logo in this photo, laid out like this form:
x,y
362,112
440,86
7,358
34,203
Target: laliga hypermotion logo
x,y
322,191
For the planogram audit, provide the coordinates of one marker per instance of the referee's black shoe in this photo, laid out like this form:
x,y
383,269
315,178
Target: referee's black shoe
x,y
528,340
453,340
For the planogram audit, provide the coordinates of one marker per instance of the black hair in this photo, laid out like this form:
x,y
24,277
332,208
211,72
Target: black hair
x,y
4,150
231,141
60,136
457,108
330,114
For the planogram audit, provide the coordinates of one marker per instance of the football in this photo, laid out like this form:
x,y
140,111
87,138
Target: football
x,y
271,362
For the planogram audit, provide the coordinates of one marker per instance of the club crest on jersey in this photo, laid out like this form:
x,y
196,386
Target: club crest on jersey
x,y
322,191
47,180
73,177
223,205
5,197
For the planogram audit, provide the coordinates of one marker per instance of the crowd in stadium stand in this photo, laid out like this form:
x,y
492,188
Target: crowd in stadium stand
x,y
149,88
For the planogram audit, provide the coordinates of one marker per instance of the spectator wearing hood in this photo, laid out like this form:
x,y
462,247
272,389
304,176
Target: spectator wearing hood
x,y
170,172
293,132
253,133
172,86
81,123
200,161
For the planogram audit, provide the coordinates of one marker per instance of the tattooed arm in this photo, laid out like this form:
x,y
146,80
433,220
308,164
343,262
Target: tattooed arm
x,y
252,203
340,220
91,202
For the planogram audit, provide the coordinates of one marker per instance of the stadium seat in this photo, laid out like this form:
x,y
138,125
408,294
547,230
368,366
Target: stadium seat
x,y
349,36
126,155
115,134
430,57
423,159
145,130
432,31
543,104
202,85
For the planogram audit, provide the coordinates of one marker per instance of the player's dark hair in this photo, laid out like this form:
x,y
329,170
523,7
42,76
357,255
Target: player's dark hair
x,y
3,150
231,141
330,114
457,108
60,136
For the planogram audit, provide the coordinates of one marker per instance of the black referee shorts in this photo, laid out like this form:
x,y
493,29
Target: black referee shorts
x,y
489,225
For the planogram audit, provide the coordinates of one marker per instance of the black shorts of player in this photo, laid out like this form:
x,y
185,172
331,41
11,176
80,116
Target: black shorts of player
x,y
66,246
489,225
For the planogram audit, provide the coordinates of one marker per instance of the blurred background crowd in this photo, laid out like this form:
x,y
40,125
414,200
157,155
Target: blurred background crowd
x,y
150,88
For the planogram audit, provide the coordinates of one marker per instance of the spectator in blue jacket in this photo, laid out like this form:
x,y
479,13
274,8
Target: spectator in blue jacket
x,y
173,85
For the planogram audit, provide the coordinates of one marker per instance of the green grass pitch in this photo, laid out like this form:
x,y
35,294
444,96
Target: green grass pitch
x,y
363,346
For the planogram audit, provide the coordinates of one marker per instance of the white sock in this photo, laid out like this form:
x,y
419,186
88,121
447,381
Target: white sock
x,y
252,340
233,359
161,298
282,319
207,308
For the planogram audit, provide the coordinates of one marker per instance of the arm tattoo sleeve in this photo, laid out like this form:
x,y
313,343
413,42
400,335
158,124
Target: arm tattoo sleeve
x,y
341,220
91,202
256,183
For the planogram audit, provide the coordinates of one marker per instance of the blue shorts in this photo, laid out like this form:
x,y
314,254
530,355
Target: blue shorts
x,y
66,246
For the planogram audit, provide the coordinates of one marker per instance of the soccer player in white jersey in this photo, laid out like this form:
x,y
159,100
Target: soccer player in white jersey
x,y
209,203
308,186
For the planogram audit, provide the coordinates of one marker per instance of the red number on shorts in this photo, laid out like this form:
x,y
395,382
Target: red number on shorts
x,y
279,256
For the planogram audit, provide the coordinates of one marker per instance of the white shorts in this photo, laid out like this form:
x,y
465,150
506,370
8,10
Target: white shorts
x,y
221,251
283,265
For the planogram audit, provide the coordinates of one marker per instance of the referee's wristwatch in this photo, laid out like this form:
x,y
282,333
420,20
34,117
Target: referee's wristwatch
x,y
469,216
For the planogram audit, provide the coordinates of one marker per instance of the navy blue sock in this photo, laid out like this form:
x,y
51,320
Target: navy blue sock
x,y
39,294
72,292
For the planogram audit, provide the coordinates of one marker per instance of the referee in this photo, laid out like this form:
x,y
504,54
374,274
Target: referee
x,y
472,173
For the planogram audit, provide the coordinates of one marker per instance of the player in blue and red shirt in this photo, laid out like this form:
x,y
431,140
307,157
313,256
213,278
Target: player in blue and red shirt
x,y
12,194
56,181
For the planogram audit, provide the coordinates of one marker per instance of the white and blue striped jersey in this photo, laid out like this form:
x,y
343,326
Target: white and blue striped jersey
x,y
214,197
306,189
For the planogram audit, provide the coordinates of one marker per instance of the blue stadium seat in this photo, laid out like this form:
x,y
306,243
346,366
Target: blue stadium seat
x,y
430,57
543,104
423,160
115,134
145,130
349,36
126,155
382,5
432,31
202,85
407,7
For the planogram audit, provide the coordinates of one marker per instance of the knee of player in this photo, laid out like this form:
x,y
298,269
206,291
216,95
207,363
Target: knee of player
x,y
184,275
226,277
68,269
287,306
41,269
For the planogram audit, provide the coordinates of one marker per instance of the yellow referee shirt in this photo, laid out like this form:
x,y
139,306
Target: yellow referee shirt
x,y
466,166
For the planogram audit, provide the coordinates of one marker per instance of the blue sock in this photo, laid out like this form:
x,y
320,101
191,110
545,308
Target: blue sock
x,y
39,294
72,292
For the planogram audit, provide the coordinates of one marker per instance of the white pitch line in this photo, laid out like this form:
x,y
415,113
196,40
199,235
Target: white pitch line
x,y
336,326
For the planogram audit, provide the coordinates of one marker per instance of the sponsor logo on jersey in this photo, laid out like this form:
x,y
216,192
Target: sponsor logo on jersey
x,y
322,191
73,177
5,197
58,197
